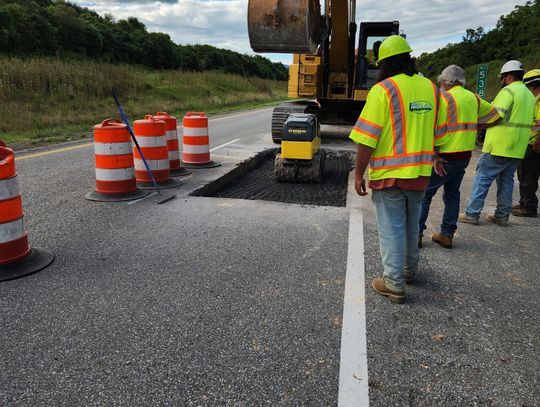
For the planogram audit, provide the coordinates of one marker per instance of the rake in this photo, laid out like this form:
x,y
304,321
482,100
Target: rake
x,y
163,198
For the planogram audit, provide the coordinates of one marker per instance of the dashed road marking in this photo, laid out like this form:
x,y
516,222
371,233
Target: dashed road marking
x,y
224,145
353,371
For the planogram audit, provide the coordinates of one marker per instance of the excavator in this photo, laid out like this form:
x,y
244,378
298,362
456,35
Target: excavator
x,y
331,73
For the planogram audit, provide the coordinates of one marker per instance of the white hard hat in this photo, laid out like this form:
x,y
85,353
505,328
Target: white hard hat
x,y
512,66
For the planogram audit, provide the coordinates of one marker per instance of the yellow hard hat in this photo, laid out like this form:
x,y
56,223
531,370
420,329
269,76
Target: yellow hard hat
x,y
393,45
531,76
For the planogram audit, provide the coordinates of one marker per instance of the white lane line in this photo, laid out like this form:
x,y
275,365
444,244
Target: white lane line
x,y
224,145
353,371
144,197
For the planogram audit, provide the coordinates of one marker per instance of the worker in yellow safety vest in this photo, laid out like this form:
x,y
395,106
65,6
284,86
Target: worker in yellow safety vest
x,y
529,168
504,146
464,112
395,134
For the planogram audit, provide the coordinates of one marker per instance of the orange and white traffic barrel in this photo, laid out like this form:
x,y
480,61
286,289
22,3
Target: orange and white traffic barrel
x,y
172,144
115,170
152,138
196,141
17,259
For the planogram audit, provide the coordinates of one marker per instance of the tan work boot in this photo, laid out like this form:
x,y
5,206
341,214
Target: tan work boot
x,y
379,285
497,221
443,240
463,218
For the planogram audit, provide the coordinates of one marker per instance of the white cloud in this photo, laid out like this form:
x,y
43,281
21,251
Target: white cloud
x,y
429,24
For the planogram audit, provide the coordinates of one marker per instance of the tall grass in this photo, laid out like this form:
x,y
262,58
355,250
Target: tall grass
x,y
46,99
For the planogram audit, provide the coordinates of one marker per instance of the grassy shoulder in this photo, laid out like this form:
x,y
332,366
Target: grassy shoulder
x,y
46,100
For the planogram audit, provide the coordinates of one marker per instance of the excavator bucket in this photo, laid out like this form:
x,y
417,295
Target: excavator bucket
x,y
285,26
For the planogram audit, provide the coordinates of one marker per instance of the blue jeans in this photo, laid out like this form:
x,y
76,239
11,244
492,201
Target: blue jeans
x,y
398,213
490,168
455,170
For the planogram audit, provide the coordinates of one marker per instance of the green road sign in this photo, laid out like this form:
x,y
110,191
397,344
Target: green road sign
x,y
481,81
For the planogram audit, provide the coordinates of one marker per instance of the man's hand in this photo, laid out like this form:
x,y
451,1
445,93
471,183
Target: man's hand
x,y
438,166
360,186
363,155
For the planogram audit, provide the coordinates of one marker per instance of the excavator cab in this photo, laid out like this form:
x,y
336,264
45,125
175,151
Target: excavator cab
x,y
369,40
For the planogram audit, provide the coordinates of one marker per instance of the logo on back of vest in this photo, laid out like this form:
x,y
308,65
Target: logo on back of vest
x,y
420,107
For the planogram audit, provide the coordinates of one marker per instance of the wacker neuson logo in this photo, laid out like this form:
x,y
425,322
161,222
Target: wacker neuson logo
x,y
420,107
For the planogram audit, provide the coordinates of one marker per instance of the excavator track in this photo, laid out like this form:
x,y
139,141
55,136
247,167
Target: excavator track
x,y
281,113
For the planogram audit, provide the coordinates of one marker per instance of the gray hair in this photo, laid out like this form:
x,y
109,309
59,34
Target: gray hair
x,y
452,75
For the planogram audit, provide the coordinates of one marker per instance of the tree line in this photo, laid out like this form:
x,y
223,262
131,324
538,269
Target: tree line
x,y
55,27
514,37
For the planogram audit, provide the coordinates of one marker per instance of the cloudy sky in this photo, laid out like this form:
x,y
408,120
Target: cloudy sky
x,y
429,24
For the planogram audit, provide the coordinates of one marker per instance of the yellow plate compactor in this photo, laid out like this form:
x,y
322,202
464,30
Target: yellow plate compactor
x,y
300,159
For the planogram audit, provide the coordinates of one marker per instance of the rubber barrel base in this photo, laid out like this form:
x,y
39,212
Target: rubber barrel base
x,y
170,183
180,172
98,197
37,260
210,164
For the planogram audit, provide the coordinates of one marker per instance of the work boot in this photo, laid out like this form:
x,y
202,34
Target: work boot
x,y
497,221
420,245
464,218
379,285
516,206
443,240
524,212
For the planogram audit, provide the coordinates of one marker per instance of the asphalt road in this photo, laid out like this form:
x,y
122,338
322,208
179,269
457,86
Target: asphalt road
x,y
225,302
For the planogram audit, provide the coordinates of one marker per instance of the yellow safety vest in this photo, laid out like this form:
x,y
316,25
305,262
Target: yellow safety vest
x,y
515,104
463,111
398,121
536,128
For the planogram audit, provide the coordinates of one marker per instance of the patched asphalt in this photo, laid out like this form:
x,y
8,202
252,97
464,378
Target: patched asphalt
x,y
227,302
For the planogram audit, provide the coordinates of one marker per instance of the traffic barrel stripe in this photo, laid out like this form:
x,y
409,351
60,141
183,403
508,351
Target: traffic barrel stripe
x,y
12,230
10,209
9,188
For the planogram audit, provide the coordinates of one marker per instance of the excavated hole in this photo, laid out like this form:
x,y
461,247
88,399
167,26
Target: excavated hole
x,y
254,179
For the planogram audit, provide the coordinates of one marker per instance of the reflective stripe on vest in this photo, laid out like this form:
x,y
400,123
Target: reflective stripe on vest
x,y
368,129
488,117
396,111
424,157
400,158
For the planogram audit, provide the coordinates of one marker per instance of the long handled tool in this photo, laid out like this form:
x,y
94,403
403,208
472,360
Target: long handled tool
x,y
163,198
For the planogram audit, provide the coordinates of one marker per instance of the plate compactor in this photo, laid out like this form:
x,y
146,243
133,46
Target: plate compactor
x,y
300,159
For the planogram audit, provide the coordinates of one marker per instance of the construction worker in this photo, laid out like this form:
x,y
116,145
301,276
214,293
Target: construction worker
x,y
464,110
529,168
504,146
395,136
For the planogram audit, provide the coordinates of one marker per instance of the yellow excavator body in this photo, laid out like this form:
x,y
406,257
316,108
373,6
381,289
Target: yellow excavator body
x,y
331,72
